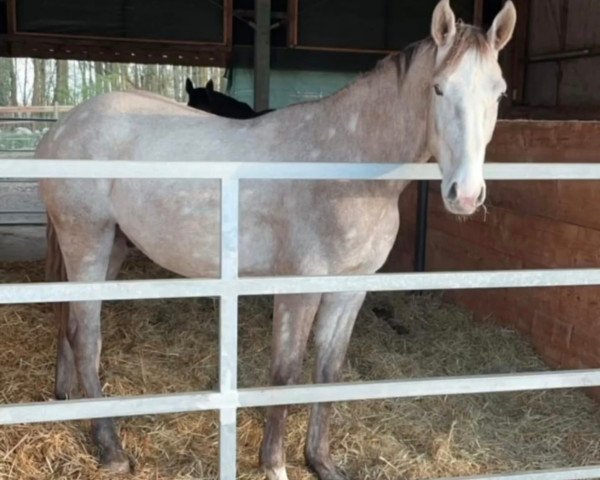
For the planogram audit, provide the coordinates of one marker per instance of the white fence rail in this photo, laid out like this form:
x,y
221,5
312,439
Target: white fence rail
x,y
229,287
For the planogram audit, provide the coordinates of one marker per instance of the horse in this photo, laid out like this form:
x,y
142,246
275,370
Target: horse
x,y
438,97
209,100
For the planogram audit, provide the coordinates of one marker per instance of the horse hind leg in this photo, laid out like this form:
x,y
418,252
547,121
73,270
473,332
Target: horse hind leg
x,y
293,316
65,385
87,247
335,321
117,255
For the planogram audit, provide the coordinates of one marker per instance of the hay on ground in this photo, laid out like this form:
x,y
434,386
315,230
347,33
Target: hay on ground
x,y
171,345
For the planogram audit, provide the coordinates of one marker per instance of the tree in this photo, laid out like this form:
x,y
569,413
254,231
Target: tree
x,y
13,82
8,91
61,88
39,82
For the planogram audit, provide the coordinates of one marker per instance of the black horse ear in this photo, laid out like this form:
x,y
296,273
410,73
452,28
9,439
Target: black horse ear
x,y
210,85
189,86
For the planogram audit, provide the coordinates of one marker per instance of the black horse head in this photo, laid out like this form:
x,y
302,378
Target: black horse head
x,y
209,100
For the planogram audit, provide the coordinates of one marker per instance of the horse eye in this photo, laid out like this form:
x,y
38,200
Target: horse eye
x,y
438,90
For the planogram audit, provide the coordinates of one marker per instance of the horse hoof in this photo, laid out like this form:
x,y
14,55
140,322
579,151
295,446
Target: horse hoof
x,y
276,473
328,472
333,475
62,393
116,462
61,396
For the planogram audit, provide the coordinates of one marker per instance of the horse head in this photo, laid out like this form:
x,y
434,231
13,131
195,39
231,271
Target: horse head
x,y
197,97
466,89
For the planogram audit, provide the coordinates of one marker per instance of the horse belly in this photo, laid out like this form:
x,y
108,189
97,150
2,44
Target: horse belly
x,y
175,223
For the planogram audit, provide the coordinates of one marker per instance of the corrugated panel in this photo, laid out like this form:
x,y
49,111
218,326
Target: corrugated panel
x,y
288,87
20,197
22,243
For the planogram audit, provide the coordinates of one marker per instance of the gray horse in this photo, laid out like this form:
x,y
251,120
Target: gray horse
x,y
438,97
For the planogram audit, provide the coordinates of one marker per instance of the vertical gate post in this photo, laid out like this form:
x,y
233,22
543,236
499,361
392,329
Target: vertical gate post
x,y
228,327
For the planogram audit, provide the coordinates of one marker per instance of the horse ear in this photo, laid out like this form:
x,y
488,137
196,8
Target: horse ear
x,y
443,23
189,86
503,26
210,86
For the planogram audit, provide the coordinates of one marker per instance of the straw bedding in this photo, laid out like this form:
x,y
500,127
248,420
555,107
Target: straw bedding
x,y
171,345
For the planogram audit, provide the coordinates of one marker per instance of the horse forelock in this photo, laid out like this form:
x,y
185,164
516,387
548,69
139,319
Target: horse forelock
x,y
467,38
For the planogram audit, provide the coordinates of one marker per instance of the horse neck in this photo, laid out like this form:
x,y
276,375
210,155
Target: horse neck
x,y
388,108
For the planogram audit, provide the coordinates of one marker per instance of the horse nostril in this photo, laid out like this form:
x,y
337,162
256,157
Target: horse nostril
x,y
452,193
481,196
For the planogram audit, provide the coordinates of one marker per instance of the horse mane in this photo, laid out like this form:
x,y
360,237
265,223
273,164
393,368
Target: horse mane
x,y
466,38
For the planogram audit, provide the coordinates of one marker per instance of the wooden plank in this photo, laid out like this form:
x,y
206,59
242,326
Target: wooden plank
x,y
538,241
580,112
505,307
545,141
88,48
449,252
576,202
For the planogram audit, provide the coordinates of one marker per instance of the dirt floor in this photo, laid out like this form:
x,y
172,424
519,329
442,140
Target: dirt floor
x,y
171,345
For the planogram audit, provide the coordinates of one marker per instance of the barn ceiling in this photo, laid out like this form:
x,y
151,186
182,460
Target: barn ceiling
x,y
206,32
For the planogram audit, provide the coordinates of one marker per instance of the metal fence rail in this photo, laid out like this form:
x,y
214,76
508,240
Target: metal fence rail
x,y
229,287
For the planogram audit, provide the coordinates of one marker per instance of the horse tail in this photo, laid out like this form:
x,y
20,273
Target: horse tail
x,y
56,272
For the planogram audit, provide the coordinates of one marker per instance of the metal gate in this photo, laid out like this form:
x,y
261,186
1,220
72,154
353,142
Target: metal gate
x,y
229,287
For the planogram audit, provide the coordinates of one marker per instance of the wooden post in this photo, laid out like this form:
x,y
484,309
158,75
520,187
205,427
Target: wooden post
x,y
518,59
292,23
478,13
262,53
11,13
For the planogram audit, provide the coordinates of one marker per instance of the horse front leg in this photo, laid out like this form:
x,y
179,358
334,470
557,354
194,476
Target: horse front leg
x,y
335,320
293,316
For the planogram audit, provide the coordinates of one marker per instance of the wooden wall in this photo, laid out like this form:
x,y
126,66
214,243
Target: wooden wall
x,y
563,61
529,224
